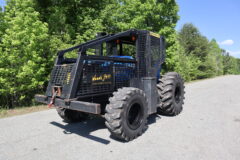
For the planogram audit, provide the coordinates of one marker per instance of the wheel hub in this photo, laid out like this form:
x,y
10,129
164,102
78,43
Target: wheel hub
x,y
135,116
177,94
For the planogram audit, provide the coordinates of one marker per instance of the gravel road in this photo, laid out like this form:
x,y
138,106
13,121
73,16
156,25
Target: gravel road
x,y
207,129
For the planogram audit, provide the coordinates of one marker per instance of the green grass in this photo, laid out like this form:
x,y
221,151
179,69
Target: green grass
x,y
21,110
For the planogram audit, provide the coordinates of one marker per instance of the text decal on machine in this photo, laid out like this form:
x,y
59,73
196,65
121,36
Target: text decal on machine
x,y
102,79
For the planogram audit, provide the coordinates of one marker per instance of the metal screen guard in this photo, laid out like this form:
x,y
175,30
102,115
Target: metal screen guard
x,y
103,75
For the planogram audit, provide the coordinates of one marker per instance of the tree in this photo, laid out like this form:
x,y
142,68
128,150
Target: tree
x,y
230,64
78,19
215,58
187,65
154,15
2,24
238,66
194,44
24,54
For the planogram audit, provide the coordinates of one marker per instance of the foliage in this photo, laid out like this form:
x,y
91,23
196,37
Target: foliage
x,y
204,59
78,19
32,31
24,54
2,24
231,64
157,16
208,54
215,58
187,65
193,42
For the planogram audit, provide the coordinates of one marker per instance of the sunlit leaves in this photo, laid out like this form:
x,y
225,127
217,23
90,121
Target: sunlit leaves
x,y
23,55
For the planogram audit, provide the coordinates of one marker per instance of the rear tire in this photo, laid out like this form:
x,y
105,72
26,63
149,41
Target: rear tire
x,y
70,115
126,114
171,94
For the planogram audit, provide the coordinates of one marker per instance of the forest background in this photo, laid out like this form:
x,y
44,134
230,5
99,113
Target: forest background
x,y
32,31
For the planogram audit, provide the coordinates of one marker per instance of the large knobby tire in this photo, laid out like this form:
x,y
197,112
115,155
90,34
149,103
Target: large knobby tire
x,y
171,94
126,114
70,115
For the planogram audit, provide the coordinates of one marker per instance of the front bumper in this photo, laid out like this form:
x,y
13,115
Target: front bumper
x,y
87,107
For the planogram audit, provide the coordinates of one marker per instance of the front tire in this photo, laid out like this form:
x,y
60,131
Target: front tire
x,y
126,114
171,94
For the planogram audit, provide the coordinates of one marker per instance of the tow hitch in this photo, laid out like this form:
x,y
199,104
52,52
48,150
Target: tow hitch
x,y
56,90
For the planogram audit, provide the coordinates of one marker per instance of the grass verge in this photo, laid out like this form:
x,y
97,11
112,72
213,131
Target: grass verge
x,y
198,80
22,110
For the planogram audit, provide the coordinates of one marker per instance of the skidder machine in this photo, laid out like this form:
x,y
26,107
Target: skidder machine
x,y
116,76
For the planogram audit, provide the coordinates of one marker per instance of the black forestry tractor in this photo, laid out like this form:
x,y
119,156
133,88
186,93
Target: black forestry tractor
x,y
116,76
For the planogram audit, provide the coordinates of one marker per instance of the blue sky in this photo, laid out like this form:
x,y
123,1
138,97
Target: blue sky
x,y
2,2
219,19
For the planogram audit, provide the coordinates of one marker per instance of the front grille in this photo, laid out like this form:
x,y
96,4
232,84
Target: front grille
x,y
96,77
61,74
100,76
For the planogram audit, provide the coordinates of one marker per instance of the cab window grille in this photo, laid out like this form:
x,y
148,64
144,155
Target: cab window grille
x,y
61,73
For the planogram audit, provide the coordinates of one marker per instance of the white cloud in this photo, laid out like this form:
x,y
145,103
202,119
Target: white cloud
x,y
234,53
227,42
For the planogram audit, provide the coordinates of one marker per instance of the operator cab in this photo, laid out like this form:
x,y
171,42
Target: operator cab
x,y
121,47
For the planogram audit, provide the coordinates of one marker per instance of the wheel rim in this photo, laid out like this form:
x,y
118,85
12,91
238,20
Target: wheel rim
x,y
135,116
177,93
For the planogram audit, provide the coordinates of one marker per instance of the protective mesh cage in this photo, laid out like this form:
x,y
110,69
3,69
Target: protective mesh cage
x,y
141,54
124,72
96,77
155,51
60,74
104,76
154,59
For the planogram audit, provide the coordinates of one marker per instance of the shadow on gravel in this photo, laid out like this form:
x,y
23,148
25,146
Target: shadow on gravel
x,y
84,129
153,118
